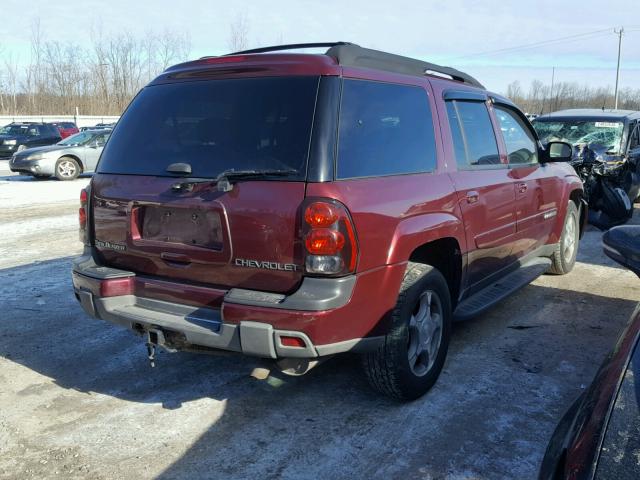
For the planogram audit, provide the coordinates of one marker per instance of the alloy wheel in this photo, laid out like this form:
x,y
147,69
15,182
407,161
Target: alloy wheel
x,y
425,333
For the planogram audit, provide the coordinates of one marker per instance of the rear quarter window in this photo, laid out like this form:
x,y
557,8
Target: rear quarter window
x,y
385,129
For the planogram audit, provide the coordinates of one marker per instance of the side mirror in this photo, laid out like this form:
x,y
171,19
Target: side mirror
x,y
558,152
622,244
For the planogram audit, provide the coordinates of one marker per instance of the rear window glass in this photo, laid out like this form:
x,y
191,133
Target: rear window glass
x,y
385,129
216,125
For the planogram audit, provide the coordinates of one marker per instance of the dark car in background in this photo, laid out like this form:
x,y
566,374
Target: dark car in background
x,y
99,126
66,129
16,137
606,156
599,436
613,135
65,160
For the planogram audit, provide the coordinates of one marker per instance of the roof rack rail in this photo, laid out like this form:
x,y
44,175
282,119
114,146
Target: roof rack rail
x,y
349,54
352,55
292,46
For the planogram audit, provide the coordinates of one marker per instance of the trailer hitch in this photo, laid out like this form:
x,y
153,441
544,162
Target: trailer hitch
x,y
151,354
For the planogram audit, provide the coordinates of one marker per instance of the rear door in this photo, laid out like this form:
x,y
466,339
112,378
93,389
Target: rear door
x,y
157,223
538,188
485,190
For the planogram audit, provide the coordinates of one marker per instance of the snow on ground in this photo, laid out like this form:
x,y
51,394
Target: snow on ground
x,y
38,218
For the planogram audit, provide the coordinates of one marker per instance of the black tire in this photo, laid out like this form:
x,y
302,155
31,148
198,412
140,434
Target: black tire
x,y
564,258
67,168
388,368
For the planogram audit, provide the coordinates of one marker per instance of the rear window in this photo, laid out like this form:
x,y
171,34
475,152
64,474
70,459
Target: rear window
x,y
216,125
385,129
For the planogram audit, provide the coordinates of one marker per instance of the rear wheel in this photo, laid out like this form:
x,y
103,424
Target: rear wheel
x,y
67,168
564,256
409,361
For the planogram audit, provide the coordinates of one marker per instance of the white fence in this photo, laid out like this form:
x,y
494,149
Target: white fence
x,y
80,120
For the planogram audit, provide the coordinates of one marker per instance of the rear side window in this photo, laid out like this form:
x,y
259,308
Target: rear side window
x,y
385,129
474,140
216,125
520,142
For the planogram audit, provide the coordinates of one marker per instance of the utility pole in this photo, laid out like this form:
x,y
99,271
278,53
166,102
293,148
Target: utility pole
x,y
552,105
619,33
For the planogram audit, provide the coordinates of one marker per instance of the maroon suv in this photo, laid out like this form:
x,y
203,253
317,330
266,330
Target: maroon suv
x,y
296,206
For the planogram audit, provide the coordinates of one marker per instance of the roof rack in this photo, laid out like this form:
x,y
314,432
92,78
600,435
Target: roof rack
x,y
292,46
350,54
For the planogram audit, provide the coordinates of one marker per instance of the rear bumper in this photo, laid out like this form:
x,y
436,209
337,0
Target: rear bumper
x,y
324,316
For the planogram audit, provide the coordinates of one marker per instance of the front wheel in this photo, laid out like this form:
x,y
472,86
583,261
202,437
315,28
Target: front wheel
x,y
564,256
67,168
412,355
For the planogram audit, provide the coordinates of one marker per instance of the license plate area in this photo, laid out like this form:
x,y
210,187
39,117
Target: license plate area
x,y
182,226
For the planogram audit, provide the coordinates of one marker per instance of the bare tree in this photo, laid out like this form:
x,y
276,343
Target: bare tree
x,y
540,99
11,84
100,78
239,33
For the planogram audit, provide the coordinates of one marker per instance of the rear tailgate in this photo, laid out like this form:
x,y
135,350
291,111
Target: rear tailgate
x,y
244,238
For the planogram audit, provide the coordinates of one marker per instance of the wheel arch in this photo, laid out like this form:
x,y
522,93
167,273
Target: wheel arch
x,y
437,239
445,255
577,196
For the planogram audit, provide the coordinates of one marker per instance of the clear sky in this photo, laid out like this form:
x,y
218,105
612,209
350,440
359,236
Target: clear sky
x,y
450,32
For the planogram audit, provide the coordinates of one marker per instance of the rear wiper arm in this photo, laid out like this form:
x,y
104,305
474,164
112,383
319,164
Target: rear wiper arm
x,y
224,179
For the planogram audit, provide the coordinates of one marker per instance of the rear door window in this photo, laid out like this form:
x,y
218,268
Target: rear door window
x,y
474,140
385,129
216,125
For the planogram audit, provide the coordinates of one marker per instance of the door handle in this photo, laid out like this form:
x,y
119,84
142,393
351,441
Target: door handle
x,y
522,187
472,196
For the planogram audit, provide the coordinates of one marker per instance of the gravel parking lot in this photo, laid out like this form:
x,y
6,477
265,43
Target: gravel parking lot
x,y
79,400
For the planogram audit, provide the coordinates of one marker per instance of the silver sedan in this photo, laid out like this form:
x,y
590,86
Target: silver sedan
x,y
65,160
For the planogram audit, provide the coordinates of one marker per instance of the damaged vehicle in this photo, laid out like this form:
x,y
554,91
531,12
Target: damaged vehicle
x,y
606,157
599,435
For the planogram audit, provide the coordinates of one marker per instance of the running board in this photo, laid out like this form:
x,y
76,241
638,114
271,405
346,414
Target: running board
x,y
489,296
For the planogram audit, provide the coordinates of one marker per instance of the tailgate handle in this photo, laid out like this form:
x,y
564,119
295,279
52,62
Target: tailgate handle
x,y
176,259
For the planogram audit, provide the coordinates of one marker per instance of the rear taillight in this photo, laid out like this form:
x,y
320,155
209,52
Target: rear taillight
x,y
329,238
82,216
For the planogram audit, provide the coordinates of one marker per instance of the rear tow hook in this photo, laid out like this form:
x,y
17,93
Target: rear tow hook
x,y
155,338
151,354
